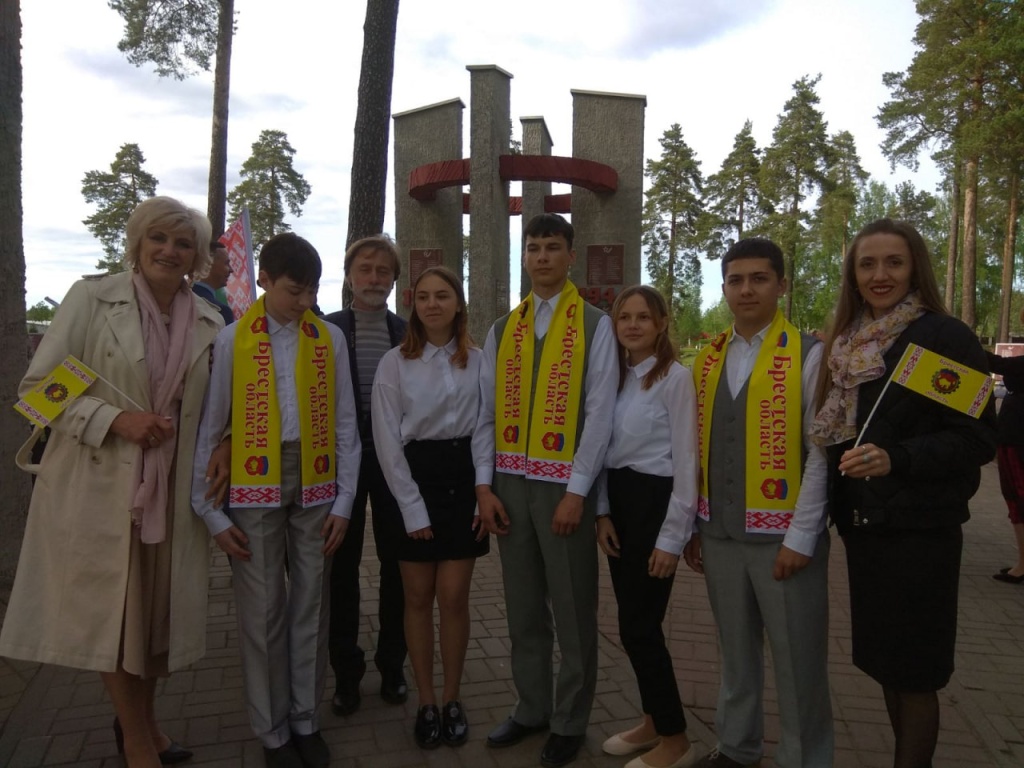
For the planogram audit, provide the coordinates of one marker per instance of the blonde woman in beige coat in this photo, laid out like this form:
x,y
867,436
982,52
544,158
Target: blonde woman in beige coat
x,y
113,569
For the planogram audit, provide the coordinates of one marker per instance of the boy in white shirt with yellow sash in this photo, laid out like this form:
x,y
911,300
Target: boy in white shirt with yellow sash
x,y
761,540
280,382
547,393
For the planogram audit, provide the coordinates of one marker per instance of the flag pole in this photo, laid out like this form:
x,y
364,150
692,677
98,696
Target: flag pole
x,y
874,408
106,381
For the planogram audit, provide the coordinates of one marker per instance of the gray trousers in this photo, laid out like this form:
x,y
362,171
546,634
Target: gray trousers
x,y
281,596
747,602
550,586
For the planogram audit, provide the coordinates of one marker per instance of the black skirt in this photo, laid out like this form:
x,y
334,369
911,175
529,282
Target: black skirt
x,y
444,472
903,604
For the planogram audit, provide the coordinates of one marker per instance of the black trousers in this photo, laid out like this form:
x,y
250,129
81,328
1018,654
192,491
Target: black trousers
x,y
347,658
638,506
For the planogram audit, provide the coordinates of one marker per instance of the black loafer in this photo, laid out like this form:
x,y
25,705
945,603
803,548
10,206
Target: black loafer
x,y
454,728
510,732
312,749
285,756
428,727
346,700
174,754
393,688
560,750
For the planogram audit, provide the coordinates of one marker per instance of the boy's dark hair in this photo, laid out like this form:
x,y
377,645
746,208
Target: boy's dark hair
x,y
289,255
549,225
755,248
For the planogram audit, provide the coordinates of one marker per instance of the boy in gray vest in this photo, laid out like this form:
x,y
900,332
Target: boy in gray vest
x,y
761,540
547,393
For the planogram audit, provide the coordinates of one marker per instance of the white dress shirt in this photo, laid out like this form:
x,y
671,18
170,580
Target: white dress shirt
x,y
602,380
655,432
428,398
809,515
284,347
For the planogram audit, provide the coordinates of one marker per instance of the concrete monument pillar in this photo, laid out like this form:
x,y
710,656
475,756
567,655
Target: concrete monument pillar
x,y
489,132
536,141
428,232
608,128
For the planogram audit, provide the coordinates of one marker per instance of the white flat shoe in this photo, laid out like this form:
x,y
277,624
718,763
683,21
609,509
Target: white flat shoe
x,y
616,745
687,760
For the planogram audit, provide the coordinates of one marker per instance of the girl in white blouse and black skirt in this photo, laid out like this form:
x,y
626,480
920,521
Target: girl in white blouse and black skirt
x,y
424,410
646,510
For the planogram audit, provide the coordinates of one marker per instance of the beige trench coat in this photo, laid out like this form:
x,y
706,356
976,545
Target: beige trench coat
x,y
67,605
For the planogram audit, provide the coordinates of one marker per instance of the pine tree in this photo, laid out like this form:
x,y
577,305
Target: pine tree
x,y
13,340
269,184
180,37
947,99
671,233
368,187
793,168
732,197
818,273
116,192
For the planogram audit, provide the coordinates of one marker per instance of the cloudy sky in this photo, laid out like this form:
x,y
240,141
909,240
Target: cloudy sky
x,y
707,65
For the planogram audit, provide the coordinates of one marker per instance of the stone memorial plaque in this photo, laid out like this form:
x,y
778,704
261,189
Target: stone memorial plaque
x,y
421,259
605,264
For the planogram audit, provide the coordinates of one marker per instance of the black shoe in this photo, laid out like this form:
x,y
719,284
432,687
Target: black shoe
x,y
454,728
560,750
312,749
174,754
393,688
285,756
510,732
346,699
1004,575
428,727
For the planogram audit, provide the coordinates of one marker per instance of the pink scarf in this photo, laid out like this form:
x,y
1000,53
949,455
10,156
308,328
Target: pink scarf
x,y
167,351
856,358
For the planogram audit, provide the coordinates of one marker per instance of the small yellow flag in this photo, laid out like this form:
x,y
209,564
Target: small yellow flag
x,y
943,380
52,395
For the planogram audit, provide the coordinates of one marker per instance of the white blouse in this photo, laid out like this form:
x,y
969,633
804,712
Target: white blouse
x,y
428,398
655,432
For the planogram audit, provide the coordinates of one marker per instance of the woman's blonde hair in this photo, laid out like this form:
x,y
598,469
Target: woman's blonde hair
x,y
173,216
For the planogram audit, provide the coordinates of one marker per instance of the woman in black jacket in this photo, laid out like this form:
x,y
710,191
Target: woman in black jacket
x,y
1011,455
898,494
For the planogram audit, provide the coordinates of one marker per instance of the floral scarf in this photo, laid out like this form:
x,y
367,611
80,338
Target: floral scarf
x,y
855,359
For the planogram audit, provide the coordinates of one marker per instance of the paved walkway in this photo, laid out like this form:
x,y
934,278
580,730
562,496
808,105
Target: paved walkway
x,y
52,716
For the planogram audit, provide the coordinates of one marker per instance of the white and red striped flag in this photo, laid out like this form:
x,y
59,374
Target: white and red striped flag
x,y
241,287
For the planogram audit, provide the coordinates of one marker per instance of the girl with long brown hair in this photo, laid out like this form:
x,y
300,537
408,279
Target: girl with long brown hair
x,y
646,507
424,410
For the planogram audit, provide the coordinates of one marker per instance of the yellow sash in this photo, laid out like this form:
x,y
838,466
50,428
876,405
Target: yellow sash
x,y
546,450
256,418
773,425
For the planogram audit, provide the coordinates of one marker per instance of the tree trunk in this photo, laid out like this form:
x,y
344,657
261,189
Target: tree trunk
x,y
954,241
1009,248
13,339
968,299
373,124
216,196
793,235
